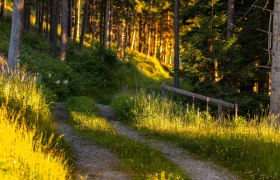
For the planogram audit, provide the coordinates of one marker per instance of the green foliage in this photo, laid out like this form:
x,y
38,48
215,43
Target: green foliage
x,y
141,161
30,149
238,59
250,146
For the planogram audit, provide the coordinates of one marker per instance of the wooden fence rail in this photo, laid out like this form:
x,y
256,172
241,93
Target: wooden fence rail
x,y
220,103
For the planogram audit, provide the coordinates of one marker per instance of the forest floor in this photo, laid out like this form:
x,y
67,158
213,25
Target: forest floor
x,y
91,160
193,167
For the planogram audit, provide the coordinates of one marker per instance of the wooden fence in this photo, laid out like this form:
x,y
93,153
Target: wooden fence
x,y
220,103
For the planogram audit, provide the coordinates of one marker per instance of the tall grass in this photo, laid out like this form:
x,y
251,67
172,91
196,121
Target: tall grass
x,y
29,149
250,146
139,160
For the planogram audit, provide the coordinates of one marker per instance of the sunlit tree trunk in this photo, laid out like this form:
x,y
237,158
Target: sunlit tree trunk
x,y
120,39
64,29
230,19
161,37
176,45
77,20
275,69
70,19
94,18
84,23
140,34
155,41
106,22
14,53
133,34
111,25
2,9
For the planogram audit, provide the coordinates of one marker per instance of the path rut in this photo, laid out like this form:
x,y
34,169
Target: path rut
x,y
195,168
92,161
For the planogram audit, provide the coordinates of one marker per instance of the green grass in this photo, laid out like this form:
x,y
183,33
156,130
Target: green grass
x,y
138,160
29,148
251,147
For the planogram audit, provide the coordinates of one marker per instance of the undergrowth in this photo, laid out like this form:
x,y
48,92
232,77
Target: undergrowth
x,y
29,148
250,146
139,160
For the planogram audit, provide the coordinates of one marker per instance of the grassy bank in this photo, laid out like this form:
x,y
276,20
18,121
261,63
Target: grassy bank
x,y
249,146
29,148
138,160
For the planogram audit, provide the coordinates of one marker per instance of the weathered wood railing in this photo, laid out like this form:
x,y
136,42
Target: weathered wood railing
x,y
220,103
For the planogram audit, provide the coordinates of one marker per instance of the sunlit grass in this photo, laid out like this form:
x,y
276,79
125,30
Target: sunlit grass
x,y
138,160
29,149
250,146
151,67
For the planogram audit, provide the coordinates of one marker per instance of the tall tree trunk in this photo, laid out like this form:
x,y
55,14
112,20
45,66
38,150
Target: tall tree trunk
x,y
133,34
101,23
161,37
111,25
77,20
52,20
94,18
155,41
2,9
106,21
140,34
37,9
64,29
47,20
150,29
70,20
120,39
230,19
56,20
126,34
41,17
14,53
84,24
176,45
275,69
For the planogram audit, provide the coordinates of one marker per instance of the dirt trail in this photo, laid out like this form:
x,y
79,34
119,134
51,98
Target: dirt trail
x,y
194,168
92,161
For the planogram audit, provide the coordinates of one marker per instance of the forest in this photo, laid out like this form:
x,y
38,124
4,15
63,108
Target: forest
x,y
139,89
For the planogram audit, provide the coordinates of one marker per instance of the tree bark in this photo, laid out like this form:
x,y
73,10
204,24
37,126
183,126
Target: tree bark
x,y
111,25
84,24
120,39
55,26
94,18
64,29
2,9
77,20
70,21
230,19
176,45
106,21
275,69
161,37
155,41
14,53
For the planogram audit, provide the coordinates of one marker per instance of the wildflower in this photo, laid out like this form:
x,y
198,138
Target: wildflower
x,y
57,82
65,82
49,75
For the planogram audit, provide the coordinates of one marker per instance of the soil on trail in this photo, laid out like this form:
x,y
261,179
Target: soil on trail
x,y
194,168
92,161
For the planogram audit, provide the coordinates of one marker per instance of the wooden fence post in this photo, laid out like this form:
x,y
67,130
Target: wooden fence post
x,y
220,110
235,109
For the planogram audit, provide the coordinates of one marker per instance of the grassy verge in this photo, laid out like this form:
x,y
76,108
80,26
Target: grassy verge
x,y
251,147
29,148
138,160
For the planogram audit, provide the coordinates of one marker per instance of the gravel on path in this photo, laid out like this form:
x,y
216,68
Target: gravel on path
x,y
196,169
92,161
